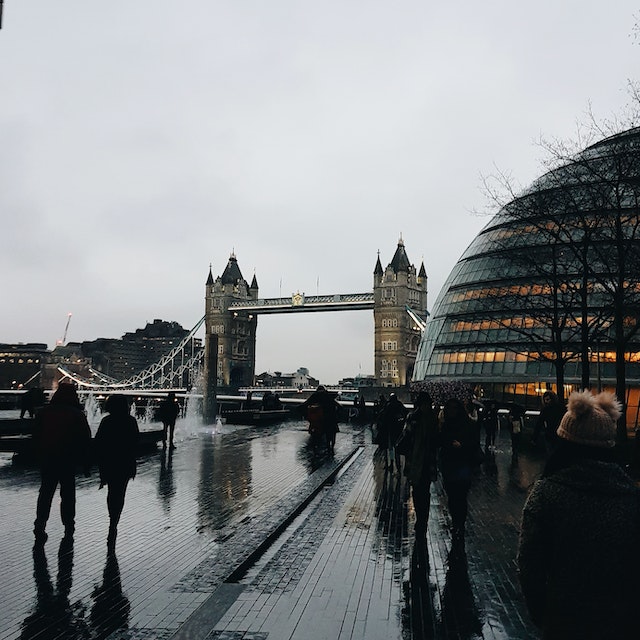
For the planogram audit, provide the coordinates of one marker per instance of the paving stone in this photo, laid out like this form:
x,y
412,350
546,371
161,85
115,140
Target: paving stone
x,y
246,534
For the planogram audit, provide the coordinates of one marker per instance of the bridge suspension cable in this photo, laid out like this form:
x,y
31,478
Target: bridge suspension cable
x,y
160,375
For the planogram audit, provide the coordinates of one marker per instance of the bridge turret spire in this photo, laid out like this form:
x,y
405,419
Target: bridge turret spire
x,y
210,278
378,269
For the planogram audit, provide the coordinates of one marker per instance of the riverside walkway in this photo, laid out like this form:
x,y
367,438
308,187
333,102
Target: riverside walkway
x,y
249,534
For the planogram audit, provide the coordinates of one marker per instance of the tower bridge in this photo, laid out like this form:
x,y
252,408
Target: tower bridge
x,y
232,307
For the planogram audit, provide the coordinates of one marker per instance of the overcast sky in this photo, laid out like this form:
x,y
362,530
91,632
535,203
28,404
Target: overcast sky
x,y
141,141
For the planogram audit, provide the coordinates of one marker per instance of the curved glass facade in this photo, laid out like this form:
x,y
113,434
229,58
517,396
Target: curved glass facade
x,y
547,278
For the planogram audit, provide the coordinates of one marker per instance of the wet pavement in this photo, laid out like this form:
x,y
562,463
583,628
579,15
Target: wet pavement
x,y
250,534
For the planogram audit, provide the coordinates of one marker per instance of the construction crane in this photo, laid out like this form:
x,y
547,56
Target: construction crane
x,y
66,328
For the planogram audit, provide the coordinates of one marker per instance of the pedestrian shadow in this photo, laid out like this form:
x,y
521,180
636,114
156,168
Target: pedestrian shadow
x,y
54,616
111,608
420,620
461,617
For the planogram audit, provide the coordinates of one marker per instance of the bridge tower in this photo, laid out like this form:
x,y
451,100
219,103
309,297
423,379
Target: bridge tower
x,y
233,331
396,336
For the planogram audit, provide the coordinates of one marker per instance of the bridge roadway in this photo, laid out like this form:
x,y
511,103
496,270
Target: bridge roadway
x,y
247,533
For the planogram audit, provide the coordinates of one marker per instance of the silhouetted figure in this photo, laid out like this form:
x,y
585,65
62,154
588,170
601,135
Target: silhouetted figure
x,y
458,446
116,450
549,420
490,423
390,425
420,464
516,425
53,615
362,408
578,552
61,439
111,608
246,405
168,414
321,410
31,401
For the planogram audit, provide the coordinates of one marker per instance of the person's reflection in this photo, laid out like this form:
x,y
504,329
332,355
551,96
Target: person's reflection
x,y
53,615
166,486
110,610
422,618
460,614
310,456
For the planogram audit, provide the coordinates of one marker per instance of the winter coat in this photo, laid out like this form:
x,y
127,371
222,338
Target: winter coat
x,y
326,415
168,411
457,462
116,447
62,437
421,465
391,421
578,559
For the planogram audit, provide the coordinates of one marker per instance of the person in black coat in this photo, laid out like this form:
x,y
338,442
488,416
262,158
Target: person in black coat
x,y
322,410
549,420
168,414
420,462
578,555
116,449
61,440
458,445
390,425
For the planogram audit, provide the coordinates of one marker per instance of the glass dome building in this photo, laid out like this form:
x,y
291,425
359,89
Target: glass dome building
x,y
551,284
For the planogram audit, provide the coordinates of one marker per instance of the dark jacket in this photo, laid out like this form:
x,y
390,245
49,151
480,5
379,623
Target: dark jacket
x,y
116,447
329,409
168,411
421,465
457,462
578,555
62,437
391,421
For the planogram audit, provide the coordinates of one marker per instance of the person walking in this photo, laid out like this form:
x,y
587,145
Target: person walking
x,y
516,425
116,449
549,420
390,424
168,414
458,446
321,410
61,440
420,462
577,557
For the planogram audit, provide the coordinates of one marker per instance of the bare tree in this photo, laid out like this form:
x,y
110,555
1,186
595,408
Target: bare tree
x,y
581,222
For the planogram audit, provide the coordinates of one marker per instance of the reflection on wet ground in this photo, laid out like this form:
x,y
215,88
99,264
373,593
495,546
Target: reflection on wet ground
x,y
193,512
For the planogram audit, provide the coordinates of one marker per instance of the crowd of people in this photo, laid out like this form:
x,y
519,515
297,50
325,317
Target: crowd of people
x,y
580,524
581,521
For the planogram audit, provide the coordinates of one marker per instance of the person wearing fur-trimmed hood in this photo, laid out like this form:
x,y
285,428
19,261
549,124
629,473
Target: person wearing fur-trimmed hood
x,y
577,555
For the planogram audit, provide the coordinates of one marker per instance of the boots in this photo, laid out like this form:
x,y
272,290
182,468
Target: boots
x,y
111,538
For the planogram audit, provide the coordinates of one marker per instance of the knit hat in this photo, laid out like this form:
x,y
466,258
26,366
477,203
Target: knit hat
x,y
591,420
